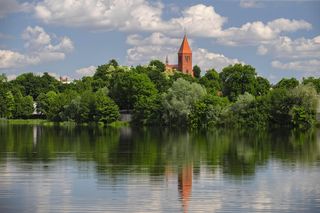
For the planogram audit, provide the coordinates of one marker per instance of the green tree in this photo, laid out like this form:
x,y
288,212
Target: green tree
x,y
127,86
160,80
287,83
211,80
238,79
33,85
314,81
6,103
196,71
158,65
262,86
148,111
107,109
23,106
3,78
178,101
247,112
206,112
88,107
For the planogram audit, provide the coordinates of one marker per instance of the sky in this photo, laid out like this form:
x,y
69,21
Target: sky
x,y
72,37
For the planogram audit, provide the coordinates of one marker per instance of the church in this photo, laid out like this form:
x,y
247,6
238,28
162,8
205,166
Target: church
x,y
184,59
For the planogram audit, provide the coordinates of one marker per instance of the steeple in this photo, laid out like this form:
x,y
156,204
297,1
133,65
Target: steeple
x,y
185,57
167,60
185,48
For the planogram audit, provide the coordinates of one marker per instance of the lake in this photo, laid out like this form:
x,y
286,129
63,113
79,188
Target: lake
x,y
82,169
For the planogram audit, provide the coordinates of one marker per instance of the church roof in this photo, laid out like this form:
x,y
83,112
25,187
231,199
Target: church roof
x,y
185,48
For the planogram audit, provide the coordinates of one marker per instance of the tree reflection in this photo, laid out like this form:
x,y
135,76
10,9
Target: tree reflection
x,y
152,152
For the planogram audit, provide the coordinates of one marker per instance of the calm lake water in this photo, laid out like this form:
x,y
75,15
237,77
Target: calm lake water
x,y
59,169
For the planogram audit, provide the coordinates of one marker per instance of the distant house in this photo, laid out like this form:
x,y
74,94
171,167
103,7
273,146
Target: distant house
x,y
64,80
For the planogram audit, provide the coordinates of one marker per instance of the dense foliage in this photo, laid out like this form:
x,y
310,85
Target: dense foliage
x,y
235,97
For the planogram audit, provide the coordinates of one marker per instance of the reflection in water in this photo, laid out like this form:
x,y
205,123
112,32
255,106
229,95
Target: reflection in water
x,y
57,169
185,185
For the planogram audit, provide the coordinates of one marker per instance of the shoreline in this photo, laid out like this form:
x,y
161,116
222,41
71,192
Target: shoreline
x,y
44,122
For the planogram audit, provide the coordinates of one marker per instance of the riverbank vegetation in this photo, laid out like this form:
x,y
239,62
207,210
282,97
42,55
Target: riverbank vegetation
x,y
236,97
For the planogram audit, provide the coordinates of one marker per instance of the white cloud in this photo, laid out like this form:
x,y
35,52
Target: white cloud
x,y
99,14
86,71
40,48
141,15
262,50
11,59
12,6
154,39
207,60
199,20
285,47
250,4
255,33
308,66
156,46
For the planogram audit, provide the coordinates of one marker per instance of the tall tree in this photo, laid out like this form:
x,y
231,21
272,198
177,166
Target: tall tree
x,y
196,71
238,79
127,86
287,83
211,80
158,65
177,102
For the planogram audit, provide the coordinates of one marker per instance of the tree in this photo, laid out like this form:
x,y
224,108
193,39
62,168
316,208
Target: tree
x,y
206,112
247,112
23,106
127,87
158,65
304,111
182,75
107,109
33,85
3,78
177,102
314,81
148,111
105,71
196,71
262,86
160,80
238,79
211,80
6,103
286,83
294,108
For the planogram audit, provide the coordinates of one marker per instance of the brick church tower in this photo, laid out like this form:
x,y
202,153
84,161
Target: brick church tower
x,y
185,57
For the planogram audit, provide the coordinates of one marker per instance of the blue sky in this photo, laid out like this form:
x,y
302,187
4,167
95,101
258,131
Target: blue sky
x,y
72,37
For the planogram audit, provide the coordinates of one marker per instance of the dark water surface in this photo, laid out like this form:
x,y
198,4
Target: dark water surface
x,y
52,169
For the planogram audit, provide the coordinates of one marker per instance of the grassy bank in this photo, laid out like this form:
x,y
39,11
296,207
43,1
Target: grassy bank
x,y
43,122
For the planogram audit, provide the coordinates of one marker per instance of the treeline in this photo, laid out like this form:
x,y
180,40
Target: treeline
x,y
235,97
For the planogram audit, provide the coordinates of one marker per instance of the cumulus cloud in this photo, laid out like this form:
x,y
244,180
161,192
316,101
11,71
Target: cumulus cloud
x,y
309,66
141,15
40,48
255,33
207,60
12,6
199,20
99,14
86,71
285,47
155,46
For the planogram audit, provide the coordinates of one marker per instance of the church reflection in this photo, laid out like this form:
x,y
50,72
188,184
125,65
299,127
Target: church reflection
x,y
185,185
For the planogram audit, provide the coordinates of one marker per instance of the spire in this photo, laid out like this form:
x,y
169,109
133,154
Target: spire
x,y
167,60
185,48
